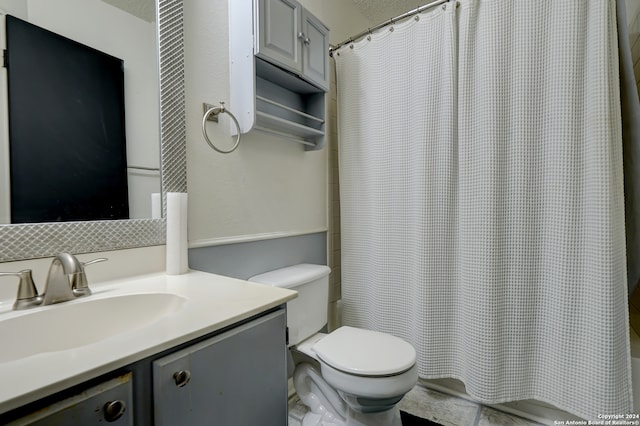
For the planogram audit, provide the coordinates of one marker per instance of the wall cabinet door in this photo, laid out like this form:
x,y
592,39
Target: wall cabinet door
x,y
315,53
238,378
279,30
291,37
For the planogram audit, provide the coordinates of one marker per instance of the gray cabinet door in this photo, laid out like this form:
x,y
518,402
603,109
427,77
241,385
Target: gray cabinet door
x,y
238,378
279,29
108,402
316,50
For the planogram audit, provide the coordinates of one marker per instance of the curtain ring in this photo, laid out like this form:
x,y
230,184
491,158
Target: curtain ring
x,y
215,111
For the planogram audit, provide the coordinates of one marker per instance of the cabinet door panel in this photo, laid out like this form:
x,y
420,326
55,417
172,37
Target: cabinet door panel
x,y
237,378
316,50
279,27
88,407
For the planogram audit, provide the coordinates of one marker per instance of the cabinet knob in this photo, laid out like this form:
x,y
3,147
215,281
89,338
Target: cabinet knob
x,y
113,410
182,377
304,38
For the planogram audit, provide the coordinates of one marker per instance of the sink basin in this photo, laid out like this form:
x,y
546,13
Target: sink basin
x,y
82,322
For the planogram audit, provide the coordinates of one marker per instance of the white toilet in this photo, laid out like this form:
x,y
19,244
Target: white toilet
x,y
362,374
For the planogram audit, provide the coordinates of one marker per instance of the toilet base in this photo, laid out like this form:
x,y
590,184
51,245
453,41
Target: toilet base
x,y
385,418
314,419
327,407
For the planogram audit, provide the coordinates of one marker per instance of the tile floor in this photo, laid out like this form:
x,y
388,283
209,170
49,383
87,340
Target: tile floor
x,y
439,407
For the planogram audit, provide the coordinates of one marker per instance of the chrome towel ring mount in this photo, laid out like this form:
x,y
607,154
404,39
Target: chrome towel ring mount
x,y
215,111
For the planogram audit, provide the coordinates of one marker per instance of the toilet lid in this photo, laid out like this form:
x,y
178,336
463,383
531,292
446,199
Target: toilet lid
x,y
365,352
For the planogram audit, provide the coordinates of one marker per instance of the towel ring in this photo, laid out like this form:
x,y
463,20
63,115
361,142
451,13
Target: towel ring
x,y
215,111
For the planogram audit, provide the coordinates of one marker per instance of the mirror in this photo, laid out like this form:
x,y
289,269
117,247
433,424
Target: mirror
x,y
26,241
121,31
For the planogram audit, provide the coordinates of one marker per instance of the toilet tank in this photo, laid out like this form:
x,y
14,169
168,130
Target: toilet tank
x,y
306,314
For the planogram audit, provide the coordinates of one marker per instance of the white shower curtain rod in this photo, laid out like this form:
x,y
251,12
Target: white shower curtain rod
x,y
388,22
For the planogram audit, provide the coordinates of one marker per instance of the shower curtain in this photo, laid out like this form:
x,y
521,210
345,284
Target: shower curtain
x,y
482,201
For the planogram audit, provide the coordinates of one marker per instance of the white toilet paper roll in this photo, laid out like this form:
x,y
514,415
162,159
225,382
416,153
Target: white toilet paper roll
x,y
177,261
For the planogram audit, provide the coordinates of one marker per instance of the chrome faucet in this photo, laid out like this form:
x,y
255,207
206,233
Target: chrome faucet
x,y
62,273
66,280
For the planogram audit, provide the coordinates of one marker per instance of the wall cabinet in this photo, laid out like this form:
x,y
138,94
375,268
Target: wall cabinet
x,y
286,55
291,37
236,377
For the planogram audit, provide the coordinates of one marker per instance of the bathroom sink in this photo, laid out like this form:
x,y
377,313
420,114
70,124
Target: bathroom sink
x,y
82,322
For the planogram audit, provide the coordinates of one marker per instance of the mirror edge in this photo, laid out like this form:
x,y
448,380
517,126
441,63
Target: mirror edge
x,y
29,241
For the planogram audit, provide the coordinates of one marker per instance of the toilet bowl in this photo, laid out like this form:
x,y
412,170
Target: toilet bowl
x,y
351,376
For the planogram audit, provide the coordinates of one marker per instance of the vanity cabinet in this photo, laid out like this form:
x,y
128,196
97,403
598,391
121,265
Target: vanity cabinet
x,y
286,56
236,378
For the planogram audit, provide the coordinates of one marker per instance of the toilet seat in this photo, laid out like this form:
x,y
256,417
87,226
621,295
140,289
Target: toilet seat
x,y
374,387
364,363
360,352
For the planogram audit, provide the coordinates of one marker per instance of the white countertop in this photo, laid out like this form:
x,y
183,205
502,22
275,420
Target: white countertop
x,y
212,302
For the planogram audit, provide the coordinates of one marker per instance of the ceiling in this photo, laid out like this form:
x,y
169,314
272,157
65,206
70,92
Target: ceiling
x,y
376,11
379,11
143,9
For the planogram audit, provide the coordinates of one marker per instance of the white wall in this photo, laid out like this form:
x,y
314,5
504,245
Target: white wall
x,y
341,16
127,37
121,264
269,186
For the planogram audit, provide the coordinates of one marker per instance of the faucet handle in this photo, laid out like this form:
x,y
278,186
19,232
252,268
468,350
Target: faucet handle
x,y
91,262
79,283
27,293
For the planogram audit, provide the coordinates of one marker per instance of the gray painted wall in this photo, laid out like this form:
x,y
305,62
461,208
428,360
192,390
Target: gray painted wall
x,y
244,260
